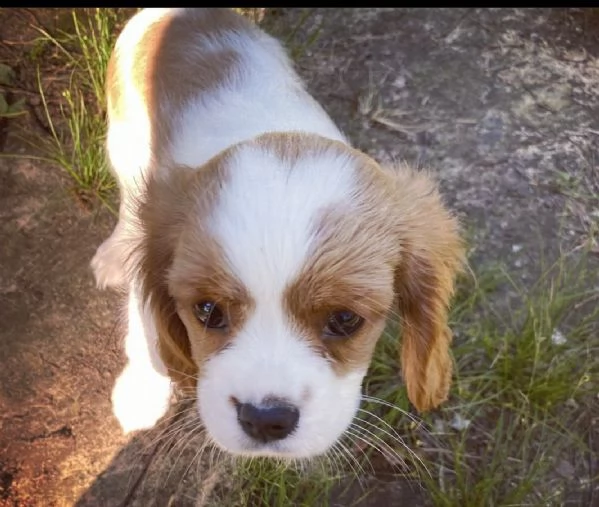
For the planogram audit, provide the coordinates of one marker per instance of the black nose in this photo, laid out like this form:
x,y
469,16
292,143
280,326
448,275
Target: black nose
x,y
267,423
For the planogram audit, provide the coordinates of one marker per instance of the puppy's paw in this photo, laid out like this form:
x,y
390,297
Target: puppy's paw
x,y
140,397
108,265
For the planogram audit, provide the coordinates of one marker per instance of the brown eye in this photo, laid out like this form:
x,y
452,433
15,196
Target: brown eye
x,y
342,323
209,314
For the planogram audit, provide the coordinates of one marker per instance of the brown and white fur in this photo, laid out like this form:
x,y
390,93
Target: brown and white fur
x,y
242,204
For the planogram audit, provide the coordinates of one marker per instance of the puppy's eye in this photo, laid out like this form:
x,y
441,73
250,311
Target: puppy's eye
x,y
342,323
209,314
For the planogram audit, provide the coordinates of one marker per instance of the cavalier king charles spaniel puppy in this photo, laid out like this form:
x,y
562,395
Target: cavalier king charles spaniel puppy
x,y
261,253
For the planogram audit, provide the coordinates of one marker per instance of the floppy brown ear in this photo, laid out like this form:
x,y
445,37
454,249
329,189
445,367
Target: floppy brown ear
x,y
432,254
161,213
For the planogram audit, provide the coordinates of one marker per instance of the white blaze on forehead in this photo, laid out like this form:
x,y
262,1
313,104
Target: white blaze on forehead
x,y
264,217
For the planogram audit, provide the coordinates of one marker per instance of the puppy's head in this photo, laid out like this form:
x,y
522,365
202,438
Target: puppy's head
x,y
270,272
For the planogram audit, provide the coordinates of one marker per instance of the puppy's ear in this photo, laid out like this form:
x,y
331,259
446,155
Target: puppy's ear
x,y
161,213
431,255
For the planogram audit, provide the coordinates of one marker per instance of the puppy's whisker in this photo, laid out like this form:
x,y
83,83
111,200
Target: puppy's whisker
x,y
378,444
350,434
342,459
172,439
330,461
164,430
392,433
173,430
374,399
186,393
351,460
180,412
194,460
387,447
188,438
184,374
214,456
394,437
391,312
356,432
207,444
157,443
338,458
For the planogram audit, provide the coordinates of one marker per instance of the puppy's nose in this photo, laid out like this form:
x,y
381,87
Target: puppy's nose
x,y
271,422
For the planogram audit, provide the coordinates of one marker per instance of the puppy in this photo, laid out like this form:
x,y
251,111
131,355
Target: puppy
x,y
261,252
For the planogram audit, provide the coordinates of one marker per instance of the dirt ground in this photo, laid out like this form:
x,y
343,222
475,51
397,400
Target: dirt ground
x,y
501,103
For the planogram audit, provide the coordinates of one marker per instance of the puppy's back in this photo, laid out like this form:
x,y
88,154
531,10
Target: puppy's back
x,y
163,58
184,84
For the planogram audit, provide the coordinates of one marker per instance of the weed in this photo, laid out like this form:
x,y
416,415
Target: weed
x,y
78,127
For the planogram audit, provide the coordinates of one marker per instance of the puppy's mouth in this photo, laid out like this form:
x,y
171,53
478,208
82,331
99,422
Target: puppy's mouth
x,y
280,450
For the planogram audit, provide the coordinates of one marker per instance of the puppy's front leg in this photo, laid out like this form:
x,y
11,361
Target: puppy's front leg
x,y
112,256
108,261
142,393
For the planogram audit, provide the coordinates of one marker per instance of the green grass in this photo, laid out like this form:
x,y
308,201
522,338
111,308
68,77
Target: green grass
x,y
14,108
523,389
78,126
524,382
266,483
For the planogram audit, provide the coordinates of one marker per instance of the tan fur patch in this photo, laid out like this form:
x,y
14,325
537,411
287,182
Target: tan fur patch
x,y
166,76
432,255
200,273
351,267
171,215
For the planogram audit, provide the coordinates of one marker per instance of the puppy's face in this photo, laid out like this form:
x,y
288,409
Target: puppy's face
x,y
271,271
